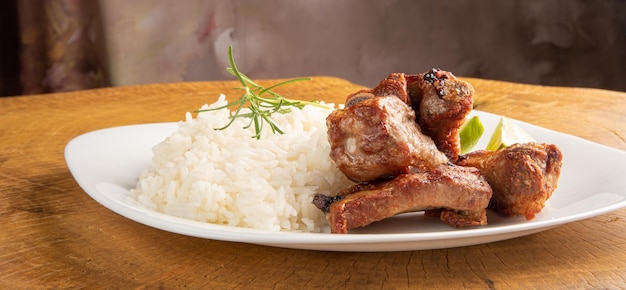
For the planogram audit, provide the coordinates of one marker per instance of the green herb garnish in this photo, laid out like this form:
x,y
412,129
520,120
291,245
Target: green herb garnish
x,y
262,102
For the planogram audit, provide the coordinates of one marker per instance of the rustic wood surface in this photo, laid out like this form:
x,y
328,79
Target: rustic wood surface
x,y
53,235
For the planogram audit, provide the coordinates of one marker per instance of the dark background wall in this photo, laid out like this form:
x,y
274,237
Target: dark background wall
x,y
560,42
9,49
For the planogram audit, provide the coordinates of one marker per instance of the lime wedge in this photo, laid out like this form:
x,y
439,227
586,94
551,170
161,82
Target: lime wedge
x,y
506,134
470,133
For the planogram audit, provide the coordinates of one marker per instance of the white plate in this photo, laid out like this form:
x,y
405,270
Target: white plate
x,y
106,164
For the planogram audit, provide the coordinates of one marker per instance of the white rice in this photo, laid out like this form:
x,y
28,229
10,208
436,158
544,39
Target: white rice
x,y
227,177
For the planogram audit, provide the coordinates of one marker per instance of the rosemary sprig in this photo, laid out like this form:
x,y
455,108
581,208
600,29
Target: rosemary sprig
x,y
262,102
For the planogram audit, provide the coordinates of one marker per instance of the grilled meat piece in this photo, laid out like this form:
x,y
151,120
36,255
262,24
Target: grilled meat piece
x,y
393,85
446,186
523,176
441,102
378,138
459,218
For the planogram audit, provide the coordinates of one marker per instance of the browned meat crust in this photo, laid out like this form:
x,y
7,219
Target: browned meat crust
x,y
394,85
441,102
378,138
459,218
396,139
523,176
447,186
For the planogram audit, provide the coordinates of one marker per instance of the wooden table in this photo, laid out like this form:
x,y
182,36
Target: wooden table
x,y
53,235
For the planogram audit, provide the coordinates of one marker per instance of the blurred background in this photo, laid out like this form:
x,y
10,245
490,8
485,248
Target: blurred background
x,y
64,45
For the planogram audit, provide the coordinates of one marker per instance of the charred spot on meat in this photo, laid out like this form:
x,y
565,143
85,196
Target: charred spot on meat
x,y
378,138
437,78
323,202
523,176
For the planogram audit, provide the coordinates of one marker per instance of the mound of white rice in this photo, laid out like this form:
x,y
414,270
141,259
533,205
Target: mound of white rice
x,y
227,177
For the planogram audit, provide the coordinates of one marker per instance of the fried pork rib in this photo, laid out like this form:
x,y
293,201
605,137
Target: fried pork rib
x,y
441,102
462,193
378,138
398,140
523,176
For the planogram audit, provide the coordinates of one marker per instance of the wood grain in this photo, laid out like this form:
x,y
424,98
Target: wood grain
x,y
54,236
